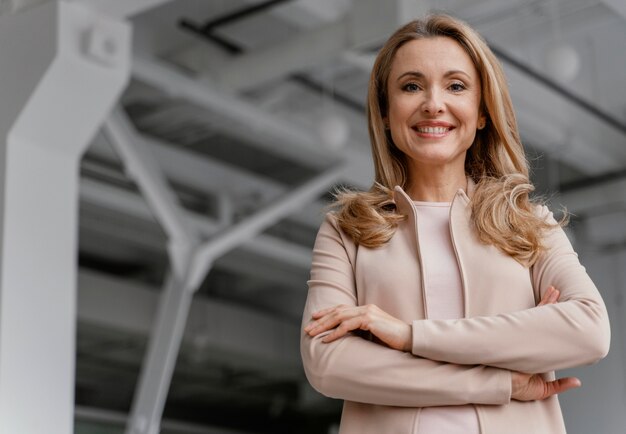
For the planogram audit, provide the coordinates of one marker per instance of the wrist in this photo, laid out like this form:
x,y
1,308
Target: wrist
x,y
518,382
408,341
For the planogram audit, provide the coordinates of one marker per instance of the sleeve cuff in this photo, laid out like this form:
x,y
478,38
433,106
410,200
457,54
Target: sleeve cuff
x,y
418,344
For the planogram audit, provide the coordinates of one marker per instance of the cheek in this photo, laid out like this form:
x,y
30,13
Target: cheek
x,y
468,112
400,109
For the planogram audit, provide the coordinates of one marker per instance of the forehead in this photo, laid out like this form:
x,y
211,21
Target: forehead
x,y
435,55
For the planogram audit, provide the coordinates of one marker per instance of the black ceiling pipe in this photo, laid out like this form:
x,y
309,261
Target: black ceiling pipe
x,y
207,31
241,13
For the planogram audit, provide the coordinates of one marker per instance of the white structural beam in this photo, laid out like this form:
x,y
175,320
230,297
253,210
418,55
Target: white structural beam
x,y
63,66
163,347
248,228
141,164
366,24
131,204
123,8
240,119
208,175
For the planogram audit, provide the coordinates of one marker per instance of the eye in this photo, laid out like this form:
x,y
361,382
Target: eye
x,y
410,87
457,87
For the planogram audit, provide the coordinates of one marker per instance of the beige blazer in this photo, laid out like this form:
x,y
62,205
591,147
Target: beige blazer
x,y
453,362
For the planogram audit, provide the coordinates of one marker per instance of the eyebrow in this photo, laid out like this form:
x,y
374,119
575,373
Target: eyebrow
x,y
418,74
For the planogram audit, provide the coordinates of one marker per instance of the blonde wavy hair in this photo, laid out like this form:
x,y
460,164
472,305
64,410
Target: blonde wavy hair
x,y
502,212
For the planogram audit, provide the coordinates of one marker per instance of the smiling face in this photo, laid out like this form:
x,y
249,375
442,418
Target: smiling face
x,y
433,103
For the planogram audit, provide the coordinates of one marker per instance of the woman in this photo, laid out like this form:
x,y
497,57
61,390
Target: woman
x,y
432,304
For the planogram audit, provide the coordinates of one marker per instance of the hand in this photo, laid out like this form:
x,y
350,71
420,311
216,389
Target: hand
x,y
391,331
527,387
550,297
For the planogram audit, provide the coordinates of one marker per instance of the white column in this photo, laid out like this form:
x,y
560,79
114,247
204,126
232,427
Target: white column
x,y
63,67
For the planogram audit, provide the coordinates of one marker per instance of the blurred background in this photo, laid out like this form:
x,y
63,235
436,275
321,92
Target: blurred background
x,y
203,181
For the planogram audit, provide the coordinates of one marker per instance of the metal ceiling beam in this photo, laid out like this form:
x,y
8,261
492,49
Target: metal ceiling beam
x,y
231,17
240,119
122,8
365,25
251,226
144,168
206,174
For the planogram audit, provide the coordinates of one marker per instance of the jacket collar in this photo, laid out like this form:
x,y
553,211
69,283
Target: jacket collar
x,y
404,203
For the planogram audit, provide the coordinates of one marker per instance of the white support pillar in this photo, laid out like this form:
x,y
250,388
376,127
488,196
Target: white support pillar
x,y
160,359
63,66
175,300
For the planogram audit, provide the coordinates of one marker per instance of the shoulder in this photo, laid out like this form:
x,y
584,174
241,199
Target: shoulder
x,y
553,236
332,240
543,212
331,227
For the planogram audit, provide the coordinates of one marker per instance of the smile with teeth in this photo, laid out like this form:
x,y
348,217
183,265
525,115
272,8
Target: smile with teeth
x,y
432,130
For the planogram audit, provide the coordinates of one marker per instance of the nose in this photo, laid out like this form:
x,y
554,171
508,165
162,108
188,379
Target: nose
x,y
433,102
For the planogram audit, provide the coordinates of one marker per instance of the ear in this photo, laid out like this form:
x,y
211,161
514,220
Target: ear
x,y
482,121
386,122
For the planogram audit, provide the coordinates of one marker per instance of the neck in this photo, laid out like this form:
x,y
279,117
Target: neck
x,y
436,185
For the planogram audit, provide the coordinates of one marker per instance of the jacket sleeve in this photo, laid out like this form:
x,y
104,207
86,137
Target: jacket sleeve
x,y
356,369
573,332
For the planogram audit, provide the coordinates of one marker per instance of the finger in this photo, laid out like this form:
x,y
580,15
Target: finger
x,y
554,297
343,329
330,321
546,296
561,385
321,313
321,325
